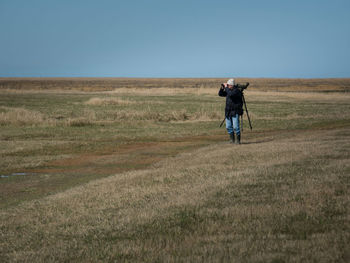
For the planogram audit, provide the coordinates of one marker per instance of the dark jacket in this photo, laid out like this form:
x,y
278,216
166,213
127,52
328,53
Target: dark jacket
x,y
234,102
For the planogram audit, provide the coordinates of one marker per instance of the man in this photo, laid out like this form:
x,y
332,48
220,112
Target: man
x,y
234,107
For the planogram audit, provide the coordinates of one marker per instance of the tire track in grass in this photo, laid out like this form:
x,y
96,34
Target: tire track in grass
x,y
59,175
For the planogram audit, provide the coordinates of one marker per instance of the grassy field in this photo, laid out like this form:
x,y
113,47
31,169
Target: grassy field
x,y
138,170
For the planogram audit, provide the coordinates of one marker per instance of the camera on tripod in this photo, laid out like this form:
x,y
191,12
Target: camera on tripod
x,y
242,86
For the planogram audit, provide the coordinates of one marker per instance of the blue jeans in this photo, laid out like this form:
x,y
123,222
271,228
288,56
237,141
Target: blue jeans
x,y
232,124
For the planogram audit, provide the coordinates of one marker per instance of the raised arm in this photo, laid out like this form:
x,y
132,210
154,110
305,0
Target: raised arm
x,y
222,91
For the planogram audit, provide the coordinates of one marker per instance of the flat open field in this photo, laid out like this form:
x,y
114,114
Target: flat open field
x,y
110,84
139,170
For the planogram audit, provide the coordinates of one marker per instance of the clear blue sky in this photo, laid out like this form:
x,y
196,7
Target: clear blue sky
x,y
178,38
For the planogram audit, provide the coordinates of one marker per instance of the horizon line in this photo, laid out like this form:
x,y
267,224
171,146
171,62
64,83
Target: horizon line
x,y
109,77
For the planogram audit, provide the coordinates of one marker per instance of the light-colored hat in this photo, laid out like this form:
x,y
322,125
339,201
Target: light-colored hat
x,y
231,82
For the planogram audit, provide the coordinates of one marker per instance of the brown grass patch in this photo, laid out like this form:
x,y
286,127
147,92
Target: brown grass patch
x,y
21,117
25,117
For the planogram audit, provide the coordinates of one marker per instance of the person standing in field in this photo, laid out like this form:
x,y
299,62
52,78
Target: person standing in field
x,y
233,108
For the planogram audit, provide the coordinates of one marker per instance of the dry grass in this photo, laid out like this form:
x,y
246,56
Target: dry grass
x,y
109,101
165,91
20,117
25,117
145,112
334,97
170,116
265,202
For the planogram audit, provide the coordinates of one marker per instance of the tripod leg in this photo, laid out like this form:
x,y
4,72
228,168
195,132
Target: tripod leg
x,y
222,122
246,109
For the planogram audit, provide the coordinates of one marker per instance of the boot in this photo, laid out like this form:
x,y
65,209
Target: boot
x,y
238,139
232,137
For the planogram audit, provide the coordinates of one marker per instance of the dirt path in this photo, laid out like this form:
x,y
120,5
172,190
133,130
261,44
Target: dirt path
x,y
111,160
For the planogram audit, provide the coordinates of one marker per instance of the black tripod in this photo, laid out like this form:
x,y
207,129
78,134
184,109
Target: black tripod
x,y
246,109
